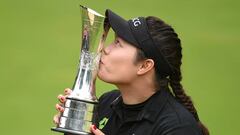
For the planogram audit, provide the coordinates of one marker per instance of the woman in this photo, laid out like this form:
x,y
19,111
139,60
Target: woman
x,y
144,63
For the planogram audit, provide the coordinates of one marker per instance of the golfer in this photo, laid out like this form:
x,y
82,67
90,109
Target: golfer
x,y
144,63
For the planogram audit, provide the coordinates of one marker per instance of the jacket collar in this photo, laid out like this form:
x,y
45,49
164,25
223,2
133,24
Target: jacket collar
x,y
152,108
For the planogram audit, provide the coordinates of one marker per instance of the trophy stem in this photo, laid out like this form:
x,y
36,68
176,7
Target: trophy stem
x,y
84,87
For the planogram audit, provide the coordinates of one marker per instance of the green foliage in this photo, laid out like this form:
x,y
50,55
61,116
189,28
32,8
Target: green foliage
x,y
39,51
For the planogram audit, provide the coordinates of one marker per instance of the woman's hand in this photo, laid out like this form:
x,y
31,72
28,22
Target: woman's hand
x,y
59,106
96,131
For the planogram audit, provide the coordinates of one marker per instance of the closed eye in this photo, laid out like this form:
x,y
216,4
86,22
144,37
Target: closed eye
x,y
117,42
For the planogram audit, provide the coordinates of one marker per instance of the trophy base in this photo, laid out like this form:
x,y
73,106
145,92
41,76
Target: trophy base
x,y
77,118
62,130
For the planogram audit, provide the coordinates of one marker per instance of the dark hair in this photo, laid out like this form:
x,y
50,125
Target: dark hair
x,y
169,45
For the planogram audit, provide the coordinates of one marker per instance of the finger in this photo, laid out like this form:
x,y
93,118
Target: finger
x,y
96,131
56,118
61,98
67,91
59,108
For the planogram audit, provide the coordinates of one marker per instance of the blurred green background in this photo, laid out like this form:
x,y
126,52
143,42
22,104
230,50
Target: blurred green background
x,y
39,51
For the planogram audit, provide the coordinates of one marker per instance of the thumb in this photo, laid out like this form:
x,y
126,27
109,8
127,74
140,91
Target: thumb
x,y
96,131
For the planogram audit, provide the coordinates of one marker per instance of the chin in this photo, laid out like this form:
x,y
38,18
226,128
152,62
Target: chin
x,y
101,77
105,78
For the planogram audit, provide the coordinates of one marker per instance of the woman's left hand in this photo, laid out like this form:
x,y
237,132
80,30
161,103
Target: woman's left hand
x,y
96,131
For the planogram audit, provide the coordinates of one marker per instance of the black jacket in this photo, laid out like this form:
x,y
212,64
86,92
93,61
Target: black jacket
x,y
161,115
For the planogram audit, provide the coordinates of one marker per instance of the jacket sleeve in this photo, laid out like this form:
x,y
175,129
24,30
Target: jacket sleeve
x,y
181,130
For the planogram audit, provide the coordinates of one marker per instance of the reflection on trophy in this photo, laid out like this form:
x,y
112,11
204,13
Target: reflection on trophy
x,y
80,106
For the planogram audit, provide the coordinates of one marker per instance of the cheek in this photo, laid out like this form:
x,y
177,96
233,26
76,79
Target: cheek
x,y
118,69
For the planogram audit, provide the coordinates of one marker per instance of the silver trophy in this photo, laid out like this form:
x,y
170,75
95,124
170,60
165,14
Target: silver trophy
x,y
80,105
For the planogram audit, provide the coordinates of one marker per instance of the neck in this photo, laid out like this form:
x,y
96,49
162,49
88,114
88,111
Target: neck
x,y
136,92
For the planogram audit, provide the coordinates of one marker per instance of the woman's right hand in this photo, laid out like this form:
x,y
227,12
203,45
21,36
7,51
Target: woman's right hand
x,y
59,106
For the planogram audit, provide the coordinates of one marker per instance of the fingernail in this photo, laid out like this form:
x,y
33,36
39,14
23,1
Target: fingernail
x,y
62,98
94,127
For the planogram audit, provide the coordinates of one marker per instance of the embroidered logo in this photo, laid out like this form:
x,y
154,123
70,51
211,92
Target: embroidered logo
x,y
103,123
136,22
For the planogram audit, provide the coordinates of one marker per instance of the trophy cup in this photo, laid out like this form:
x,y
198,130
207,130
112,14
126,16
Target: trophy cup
x,y
80,106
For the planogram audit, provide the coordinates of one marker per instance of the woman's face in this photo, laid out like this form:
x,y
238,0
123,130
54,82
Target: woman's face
x,y
117,64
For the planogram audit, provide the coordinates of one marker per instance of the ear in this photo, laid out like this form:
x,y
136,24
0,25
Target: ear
x,y
145,66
